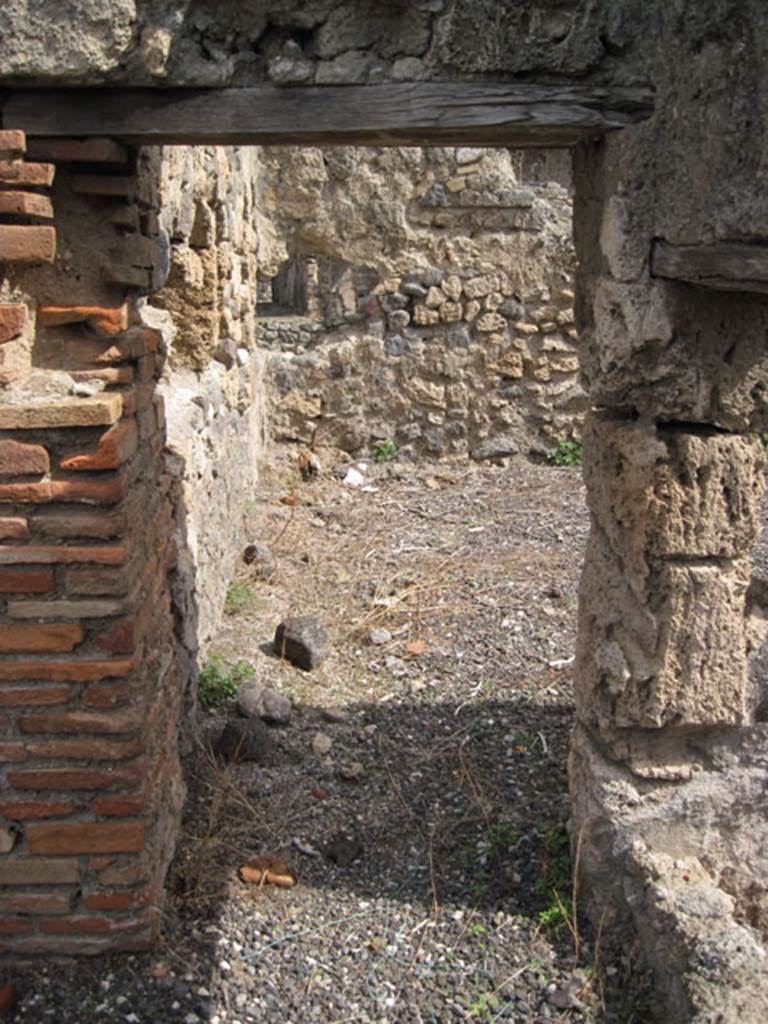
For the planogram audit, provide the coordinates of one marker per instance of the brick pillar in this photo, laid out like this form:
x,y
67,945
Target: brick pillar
x,y
90,694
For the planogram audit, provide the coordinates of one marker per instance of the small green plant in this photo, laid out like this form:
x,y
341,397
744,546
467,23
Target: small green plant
x,y
239,596
385,451
567,452
555,882
219,682
764,439
496,839
484,1007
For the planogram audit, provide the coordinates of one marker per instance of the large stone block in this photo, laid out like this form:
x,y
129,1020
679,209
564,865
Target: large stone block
x,y
672,492
675,352
670,652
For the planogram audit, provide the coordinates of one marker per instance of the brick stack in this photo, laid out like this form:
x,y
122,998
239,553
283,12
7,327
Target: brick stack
x,y
90,781
23,203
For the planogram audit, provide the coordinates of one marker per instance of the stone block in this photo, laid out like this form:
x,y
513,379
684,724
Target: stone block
x,y
672,492
669,651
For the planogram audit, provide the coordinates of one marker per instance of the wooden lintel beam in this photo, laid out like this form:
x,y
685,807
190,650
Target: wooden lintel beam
x,y
419,113
726,266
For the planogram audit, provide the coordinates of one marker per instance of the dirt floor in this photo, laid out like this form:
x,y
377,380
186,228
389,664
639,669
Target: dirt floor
x,y
418,794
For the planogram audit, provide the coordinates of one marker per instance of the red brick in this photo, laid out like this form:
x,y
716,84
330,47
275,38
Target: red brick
x,y
26,581
118,807
88,750
26,204
115,447
107,695
86,151
93,608
58,555
36,871
13,528
36,903
100,582
93,722
13,320
76,925
37,696
12,143
15,926
116,900
101,410
77,524
12,751
53,637
18,459
104,319
73,778
16,172
25,244
86,837
31,810
94,492
65,671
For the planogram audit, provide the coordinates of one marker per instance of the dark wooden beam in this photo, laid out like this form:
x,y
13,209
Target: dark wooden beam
x,y
420,113
727,266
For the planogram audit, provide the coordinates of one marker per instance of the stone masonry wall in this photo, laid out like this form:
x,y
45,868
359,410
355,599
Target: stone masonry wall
x,y
442,301
213,384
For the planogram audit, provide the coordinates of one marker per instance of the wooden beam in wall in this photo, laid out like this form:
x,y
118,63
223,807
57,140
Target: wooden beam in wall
x,y
727,266
419,113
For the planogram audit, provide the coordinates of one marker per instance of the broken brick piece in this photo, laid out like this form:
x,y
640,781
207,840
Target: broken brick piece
x,y
17,459
12,143
13,320
105,319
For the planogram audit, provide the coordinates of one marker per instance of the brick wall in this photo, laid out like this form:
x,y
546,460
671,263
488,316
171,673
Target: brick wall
x,y
90,692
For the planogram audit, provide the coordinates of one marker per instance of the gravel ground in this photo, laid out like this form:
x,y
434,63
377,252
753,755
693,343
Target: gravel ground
x,y
434,885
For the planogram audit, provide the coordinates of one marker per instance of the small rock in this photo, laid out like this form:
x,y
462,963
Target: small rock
x,y
342,850
243,740
320,793
302,640
351,772
8,836
335,715
261,558
379,636
321,744
500,448
256,701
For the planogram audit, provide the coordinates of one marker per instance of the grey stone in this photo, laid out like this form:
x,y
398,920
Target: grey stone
x,y
243,740
321,744
499,448
414,289
458,336
286,70
302,640
396,346
261,558
378,636
343,851
257,701
513,309
468,155
398,320
392,301
346,69
408,69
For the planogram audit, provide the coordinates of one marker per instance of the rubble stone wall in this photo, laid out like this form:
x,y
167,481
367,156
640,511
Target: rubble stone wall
x,y
442,315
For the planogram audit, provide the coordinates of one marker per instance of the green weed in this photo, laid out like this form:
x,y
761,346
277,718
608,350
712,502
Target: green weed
x,y
239,597
567,452
219,682
385,451
555,882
